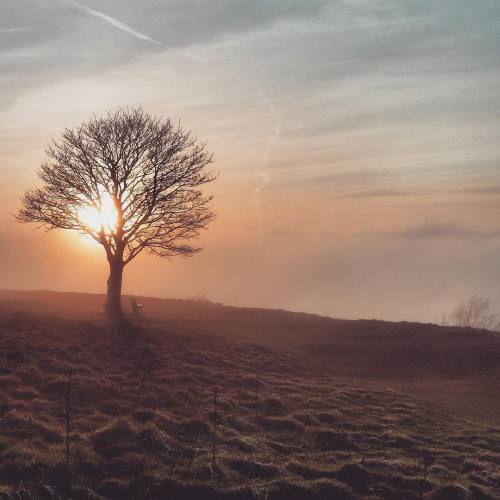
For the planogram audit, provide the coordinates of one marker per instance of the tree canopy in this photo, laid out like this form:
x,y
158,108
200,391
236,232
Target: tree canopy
x,y
149,168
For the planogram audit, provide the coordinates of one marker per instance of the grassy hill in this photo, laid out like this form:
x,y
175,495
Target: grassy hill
x,y
307,406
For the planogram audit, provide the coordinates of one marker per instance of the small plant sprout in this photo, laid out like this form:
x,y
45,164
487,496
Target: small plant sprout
x,y
214,434
67,412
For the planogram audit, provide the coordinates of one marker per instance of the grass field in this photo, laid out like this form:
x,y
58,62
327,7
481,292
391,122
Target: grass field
x,y
306,407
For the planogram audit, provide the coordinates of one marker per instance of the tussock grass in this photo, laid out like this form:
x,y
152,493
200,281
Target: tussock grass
x,y
142,414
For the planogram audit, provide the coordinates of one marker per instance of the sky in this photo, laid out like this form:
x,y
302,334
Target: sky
x,y
356,142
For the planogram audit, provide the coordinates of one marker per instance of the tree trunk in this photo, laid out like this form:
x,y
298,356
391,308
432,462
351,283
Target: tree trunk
x,y
114,297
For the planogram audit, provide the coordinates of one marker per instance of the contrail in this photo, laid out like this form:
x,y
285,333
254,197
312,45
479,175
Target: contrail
x,y
265,178
124,27
14,30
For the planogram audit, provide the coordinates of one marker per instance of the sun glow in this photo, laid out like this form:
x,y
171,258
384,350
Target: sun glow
x,y
102,218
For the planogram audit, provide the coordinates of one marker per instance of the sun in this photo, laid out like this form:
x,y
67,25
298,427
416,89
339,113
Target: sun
x,y
99,219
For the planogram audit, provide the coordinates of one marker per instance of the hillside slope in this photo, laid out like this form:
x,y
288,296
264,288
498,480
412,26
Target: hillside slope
x,y
455,368
142,421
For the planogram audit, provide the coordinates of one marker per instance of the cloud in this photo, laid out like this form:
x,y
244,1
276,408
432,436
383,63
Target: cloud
x,y
185,23
127,29
482,190
382,193
65,44
443,190
374,102
6,31
432,230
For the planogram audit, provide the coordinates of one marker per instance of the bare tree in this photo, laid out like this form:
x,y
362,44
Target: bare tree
x,y
475,312
131,182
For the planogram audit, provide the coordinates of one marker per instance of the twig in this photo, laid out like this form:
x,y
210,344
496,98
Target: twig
x,y
30,439
68,413
256,400
214,435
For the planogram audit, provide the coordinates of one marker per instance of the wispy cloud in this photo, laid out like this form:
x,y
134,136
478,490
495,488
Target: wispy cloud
x,y
332,117
482,190
272,109
6,31
418,192
437,230
382,193
127,29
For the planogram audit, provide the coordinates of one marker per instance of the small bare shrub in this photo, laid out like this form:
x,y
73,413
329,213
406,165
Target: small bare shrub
x,y
422,475
475,312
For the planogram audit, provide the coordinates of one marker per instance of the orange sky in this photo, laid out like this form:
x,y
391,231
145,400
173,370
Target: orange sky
x,y
357,145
